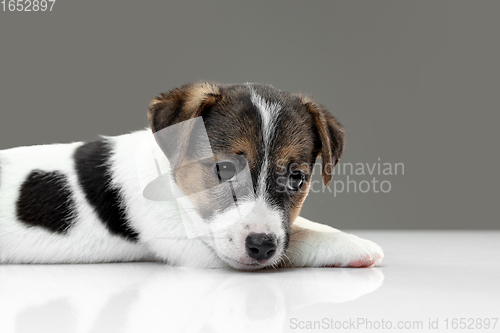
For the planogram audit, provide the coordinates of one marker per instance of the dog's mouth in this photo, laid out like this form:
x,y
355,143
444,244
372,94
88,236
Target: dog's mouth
x,y
251,264
246,265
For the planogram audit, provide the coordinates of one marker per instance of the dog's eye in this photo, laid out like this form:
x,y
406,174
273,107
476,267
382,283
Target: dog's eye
x,y
296,180
225,170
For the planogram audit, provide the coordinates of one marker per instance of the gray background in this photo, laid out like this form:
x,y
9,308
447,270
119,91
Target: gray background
x,y
413,82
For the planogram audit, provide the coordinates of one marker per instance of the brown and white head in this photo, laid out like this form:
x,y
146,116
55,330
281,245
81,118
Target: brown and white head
x,y
251,185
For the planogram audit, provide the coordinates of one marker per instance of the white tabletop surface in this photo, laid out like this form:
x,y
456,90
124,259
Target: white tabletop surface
x,y
430,281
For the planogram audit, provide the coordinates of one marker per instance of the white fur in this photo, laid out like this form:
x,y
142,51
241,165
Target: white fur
x,y
314,244
159,223
87,241
230,241
269,112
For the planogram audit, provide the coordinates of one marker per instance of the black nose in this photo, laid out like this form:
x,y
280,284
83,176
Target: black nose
x,y
261,246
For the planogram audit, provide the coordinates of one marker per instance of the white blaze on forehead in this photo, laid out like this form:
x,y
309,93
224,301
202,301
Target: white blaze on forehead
x,y
269,112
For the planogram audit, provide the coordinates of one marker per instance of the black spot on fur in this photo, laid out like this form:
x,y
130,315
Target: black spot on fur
x,y
92,167
45,201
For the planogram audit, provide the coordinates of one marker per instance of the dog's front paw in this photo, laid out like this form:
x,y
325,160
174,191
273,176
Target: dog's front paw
x,y
348,250
318,245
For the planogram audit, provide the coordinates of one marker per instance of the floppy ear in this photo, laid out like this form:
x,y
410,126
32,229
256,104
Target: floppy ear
x,y
331,134
180,104
175,108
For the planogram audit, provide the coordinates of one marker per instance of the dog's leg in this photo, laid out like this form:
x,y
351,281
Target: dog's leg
x,y
316,245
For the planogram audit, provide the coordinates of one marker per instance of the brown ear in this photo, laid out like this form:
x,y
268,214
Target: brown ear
x,y
331,134
180,104
174,108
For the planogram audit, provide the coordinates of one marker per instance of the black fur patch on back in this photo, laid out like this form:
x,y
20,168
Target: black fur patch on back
x,y
92,167
45,201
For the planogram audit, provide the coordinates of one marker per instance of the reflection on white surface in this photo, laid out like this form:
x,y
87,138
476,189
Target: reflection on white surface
x,y
429,277
146,297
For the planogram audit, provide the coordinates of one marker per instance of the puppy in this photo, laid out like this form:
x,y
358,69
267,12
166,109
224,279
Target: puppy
x,y
218,180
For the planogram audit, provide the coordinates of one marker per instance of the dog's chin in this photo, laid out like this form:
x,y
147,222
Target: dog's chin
x,y
247,265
